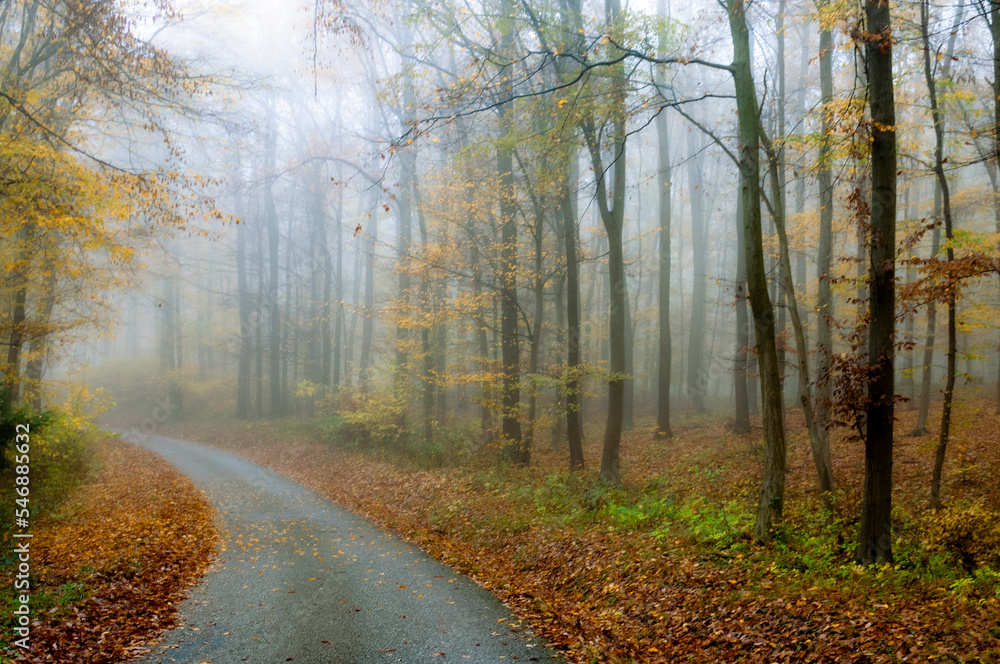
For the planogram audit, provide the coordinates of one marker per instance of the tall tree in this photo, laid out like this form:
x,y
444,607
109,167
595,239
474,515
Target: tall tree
x,y
772,493
612,211
696,375
875,531
824,258
937,118
664,185
513,444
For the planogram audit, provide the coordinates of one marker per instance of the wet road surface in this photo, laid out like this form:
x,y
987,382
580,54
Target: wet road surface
x,y
300,579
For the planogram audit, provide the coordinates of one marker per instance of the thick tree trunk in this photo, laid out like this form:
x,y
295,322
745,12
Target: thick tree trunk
x,y
875,532
772,492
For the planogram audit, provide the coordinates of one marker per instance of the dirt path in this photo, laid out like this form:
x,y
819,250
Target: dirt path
x,y
301,579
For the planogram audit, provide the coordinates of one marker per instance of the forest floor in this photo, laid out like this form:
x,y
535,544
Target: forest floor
x,y
111,562
662,569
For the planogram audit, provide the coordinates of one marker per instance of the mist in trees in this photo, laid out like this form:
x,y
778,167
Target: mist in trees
x,y
508,228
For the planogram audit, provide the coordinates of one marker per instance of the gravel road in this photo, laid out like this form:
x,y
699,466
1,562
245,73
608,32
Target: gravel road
x,y
300,579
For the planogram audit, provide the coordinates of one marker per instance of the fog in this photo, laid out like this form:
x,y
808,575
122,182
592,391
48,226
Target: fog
x,y
420,208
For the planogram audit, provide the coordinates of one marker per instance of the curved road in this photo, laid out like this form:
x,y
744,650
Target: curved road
x,y
300,579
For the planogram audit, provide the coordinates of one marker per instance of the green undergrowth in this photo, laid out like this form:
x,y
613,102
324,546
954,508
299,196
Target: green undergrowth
x,y
949,554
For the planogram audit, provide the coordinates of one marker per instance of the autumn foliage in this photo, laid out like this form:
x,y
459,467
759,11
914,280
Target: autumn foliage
x,y
112,564
664,569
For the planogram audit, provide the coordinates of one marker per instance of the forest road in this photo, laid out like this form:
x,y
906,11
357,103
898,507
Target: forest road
x,y
300,579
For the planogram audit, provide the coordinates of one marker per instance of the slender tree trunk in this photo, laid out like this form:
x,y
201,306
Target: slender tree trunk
x,y
285,337
696,375
404,241
168,360
664,341
824,259
663,337
177,320
771,504
574,423
778,172
274,312
937,112
628,399
927,369
427,372
875,532
337,303
368,324
245,350
741,420
538,286
321,350
820,444
909,384
994,23
612,217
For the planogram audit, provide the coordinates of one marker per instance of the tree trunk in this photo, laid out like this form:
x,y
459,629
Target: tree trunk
x,y
538,286
824,260
875,532
995,34
12,390
514,449
771,504
927,370
34,368
741,420
368,324
612,217
574,424
243,289
337,303
909,384
937,113
696,375
664,199
819,443
273,309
